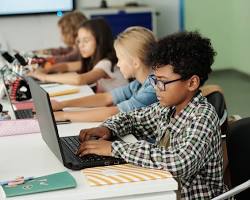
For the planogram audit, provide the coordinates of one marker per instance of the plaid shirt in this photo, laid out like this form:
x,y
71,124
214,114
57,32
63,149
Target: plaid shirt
x,y
193,152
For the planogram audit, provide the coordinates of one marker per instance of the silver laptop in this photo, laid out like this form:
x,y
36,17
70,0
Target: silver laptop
x,y
16,114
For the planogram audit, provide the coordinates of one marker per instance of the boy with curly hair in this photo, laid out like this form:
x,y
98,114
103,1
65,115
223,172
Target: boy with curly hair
x,y
184,126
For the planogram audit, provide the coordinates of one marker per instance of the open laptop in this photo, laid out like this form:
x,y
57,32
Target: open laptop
x,y
64,148
20,113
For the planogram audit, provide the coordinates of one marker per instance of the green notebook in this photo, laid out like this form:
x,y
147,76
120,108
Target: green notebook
x,y
47,183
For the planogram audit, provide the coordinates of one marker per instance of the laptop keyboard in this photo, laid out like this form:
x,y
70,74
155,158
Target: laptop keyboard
x,y
73,143
24,114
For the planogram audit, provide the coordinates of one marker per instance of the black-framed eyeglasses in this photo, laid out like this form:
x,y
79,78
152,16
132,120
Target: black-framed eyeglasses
x,y
160,83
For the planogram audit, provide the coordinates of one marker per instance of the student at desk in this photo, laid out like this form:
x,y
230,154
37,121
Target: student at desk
x,y
184,126
98,60
132,48
68,25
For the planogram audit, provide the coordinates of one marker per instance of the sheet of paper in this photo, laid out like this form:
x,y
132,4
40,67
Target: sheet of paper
x,y
59,90
116,174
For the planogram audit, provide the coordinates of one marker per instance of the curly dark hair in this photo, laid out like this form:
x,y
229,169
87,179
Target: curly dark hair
x,y
188,52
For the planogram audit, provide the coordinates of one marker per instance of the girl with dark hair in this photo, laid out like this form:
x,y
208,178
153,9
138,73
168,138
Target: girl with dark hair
x,y
132,46
98,59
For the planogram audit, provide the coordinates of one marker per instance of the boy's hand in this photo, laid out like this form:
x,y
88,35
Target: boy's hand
x,y
98,147
99,132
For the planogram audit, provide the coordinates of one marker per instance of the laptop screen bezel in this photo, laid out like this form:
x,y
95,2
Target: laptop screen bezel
x,y
12,110
36,89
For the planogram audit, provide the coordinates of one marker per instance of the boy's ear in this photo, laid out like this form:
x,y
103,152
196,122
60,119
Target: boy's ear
x,y
194,83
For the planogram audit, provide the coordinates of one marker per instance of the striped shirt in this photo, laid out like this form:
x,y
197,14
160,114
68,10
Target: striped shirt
x,y
187,145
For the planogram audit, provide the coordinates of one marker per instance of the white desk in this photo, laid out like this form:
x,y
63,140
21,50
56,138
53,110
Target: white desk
x,y
28,155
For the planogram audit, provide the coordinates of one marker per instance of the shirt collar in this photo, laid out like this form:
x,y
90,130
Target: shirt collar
x,y
197,98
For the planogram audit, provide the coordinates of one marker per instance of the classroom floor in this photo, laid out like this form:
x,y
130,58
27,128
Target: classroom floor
x,y
236,87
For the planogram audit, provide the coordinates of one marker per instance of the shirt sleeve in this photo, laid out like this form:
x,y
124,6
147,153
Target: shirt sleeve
x,y
141,123
105,65
182,160
133,97
73,55
59,51
123,93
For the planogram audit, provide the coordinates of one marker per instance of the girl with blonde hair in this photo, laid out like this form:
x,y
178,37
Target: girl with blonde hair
x,y
132,47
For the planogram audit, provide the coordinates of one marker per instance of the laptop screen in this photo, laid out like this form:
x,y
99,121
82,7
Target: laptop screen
x,y
45,118
12,113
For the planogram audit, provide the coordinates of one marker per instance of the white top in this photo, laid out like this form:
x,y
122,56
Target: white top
x,y
115,79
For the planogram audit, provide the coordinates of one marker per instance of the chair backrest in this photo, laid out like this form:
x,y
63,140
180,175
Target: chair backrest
x,y
238,149
214,95
217,99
